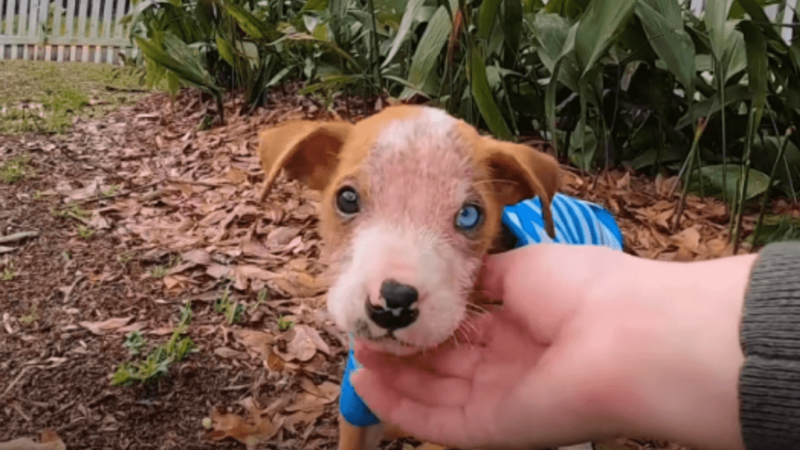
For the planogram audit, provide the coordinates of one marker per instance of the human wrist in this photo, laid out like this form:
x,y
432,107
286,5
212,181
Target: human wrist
x,y
676,351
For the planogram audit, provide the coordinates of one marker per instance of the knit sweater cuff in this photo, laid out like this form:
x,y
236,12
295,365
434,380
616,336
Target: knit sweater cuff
x,y
769,383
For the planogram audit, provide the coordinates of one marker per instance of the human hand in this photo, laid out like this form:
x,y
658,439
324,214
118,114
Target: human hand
x,y
590,343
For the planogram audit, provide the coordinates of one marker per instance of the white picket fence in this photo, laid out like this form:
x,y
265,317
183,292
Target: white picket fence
x,y
89,30
65,30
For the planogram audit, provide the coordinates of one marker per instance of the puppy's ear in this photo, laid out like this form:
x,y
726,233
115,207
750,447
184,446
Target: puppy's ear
x,y
308,150
520,172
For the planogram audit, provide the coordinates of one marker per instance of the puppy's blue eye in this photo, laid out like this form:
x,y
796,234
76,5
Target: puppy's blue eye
x,y
468,217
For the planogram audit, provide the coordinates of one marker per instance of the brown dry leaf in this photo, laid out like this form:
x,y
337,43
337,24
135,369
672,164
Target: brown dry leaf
x,y
49,440
281,236
307,403
689,239
327,390
100,328
301,347
229,353
197,256
300,284
273,362
236,176
317,339
251,431
256,342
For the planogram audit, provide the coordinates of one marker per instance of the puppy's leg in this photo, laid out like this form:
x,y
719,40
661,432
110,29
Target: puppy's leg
x,y
352,437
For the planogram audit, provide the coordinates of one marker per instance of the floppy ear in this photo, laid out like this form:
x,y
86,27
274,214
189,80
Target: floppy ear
x,y
308,150
522,172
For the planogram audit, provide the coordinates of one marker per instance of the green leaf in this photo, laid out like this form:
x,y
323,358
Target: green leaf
x,y
316,5
757,182
671,44
429,49
487,18
706,108
413,9
551,31
249,23
552,87
567,8
757,65
715,16
598,28
485,99
734,58
225,51
512,25
180,63
756,12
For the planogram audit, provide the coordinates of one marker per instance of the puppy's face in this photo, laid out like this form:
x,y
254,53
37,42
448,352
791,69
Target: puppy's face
x,y
412,201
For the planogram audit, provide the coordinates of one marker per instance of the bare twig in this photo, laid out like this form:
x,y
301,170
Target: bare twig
x,y
18,236
120,194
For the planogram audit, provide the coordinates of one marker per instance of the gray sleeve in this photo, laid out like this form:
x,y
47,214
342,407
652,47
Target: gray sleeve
x,y
769,383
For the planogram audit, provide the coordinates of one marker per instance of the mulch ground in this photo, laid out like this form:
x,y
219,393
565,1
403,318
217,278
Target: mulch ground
x,y
141,213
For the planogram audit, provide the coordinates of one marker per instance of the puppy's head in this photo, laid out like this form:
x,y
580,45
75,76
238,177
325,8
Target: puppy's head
x,y
411,202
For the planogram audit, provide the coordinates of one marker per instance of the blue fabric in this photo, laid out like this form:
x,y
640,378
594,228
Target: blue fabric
x,y
577,222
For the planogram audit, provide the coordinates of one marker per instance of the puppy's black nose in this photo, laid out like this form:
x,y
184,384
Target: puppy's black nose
x,y
398,312
398,295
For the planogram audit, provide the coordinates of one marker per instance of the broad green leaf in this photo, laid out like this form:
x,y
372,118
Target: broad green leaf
x,y
597,29
405,26
757,68
673,45
484,98
225,51
552,87
429,49
715,16
755,9
734,58
512,25
177,60
669,9
733,94
251,25
757,182
567,8
487,18
551,31
316,5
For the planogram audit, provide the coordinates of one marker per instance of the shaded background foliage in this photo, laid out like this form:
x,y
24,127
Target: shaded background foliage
x,y
644,84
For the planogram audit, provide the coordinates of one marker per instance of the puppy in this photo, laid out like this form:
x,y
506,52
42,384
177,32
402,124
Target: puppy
x,y
412,200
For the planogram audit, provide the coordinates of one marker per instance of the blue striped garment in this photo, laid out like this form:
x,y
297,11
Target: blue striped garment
x,y
577,222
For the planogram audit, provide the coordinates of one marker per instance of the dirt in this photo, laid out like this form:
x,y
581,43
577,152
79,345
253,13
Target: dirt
x,y
167,216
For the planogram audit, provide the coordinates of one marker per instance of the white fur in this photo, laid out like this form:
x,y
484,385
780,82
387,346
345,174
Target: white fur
x,y
413,256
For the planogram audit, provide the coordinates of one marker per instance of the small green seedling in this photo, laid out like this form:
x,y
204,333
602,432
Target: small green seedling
x,y
284,323
33,316
110,191
8,273
263,294
232,310
134,342
124,258
158,271
156,363
85,232
16,169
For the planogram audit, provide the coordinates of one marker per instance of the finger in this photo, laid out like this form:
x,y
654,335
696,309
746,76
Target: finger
x,y
444,425
423,386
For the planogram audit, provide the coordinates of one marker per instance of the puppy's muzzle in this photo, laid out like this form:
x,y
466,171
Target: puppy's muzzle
x,y
401,308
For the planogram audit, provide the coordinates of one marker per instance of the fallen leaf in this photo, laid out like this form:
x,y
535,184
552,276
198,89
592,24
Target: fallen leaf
x,y
281,236
256,342
302,346
229,353
308,402
689,239
48,440
327,390
317,339
251,431
100,328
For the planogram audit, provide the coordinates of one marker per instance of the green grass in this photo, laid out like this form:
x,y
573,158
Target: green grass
x,y
16,169
45,96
